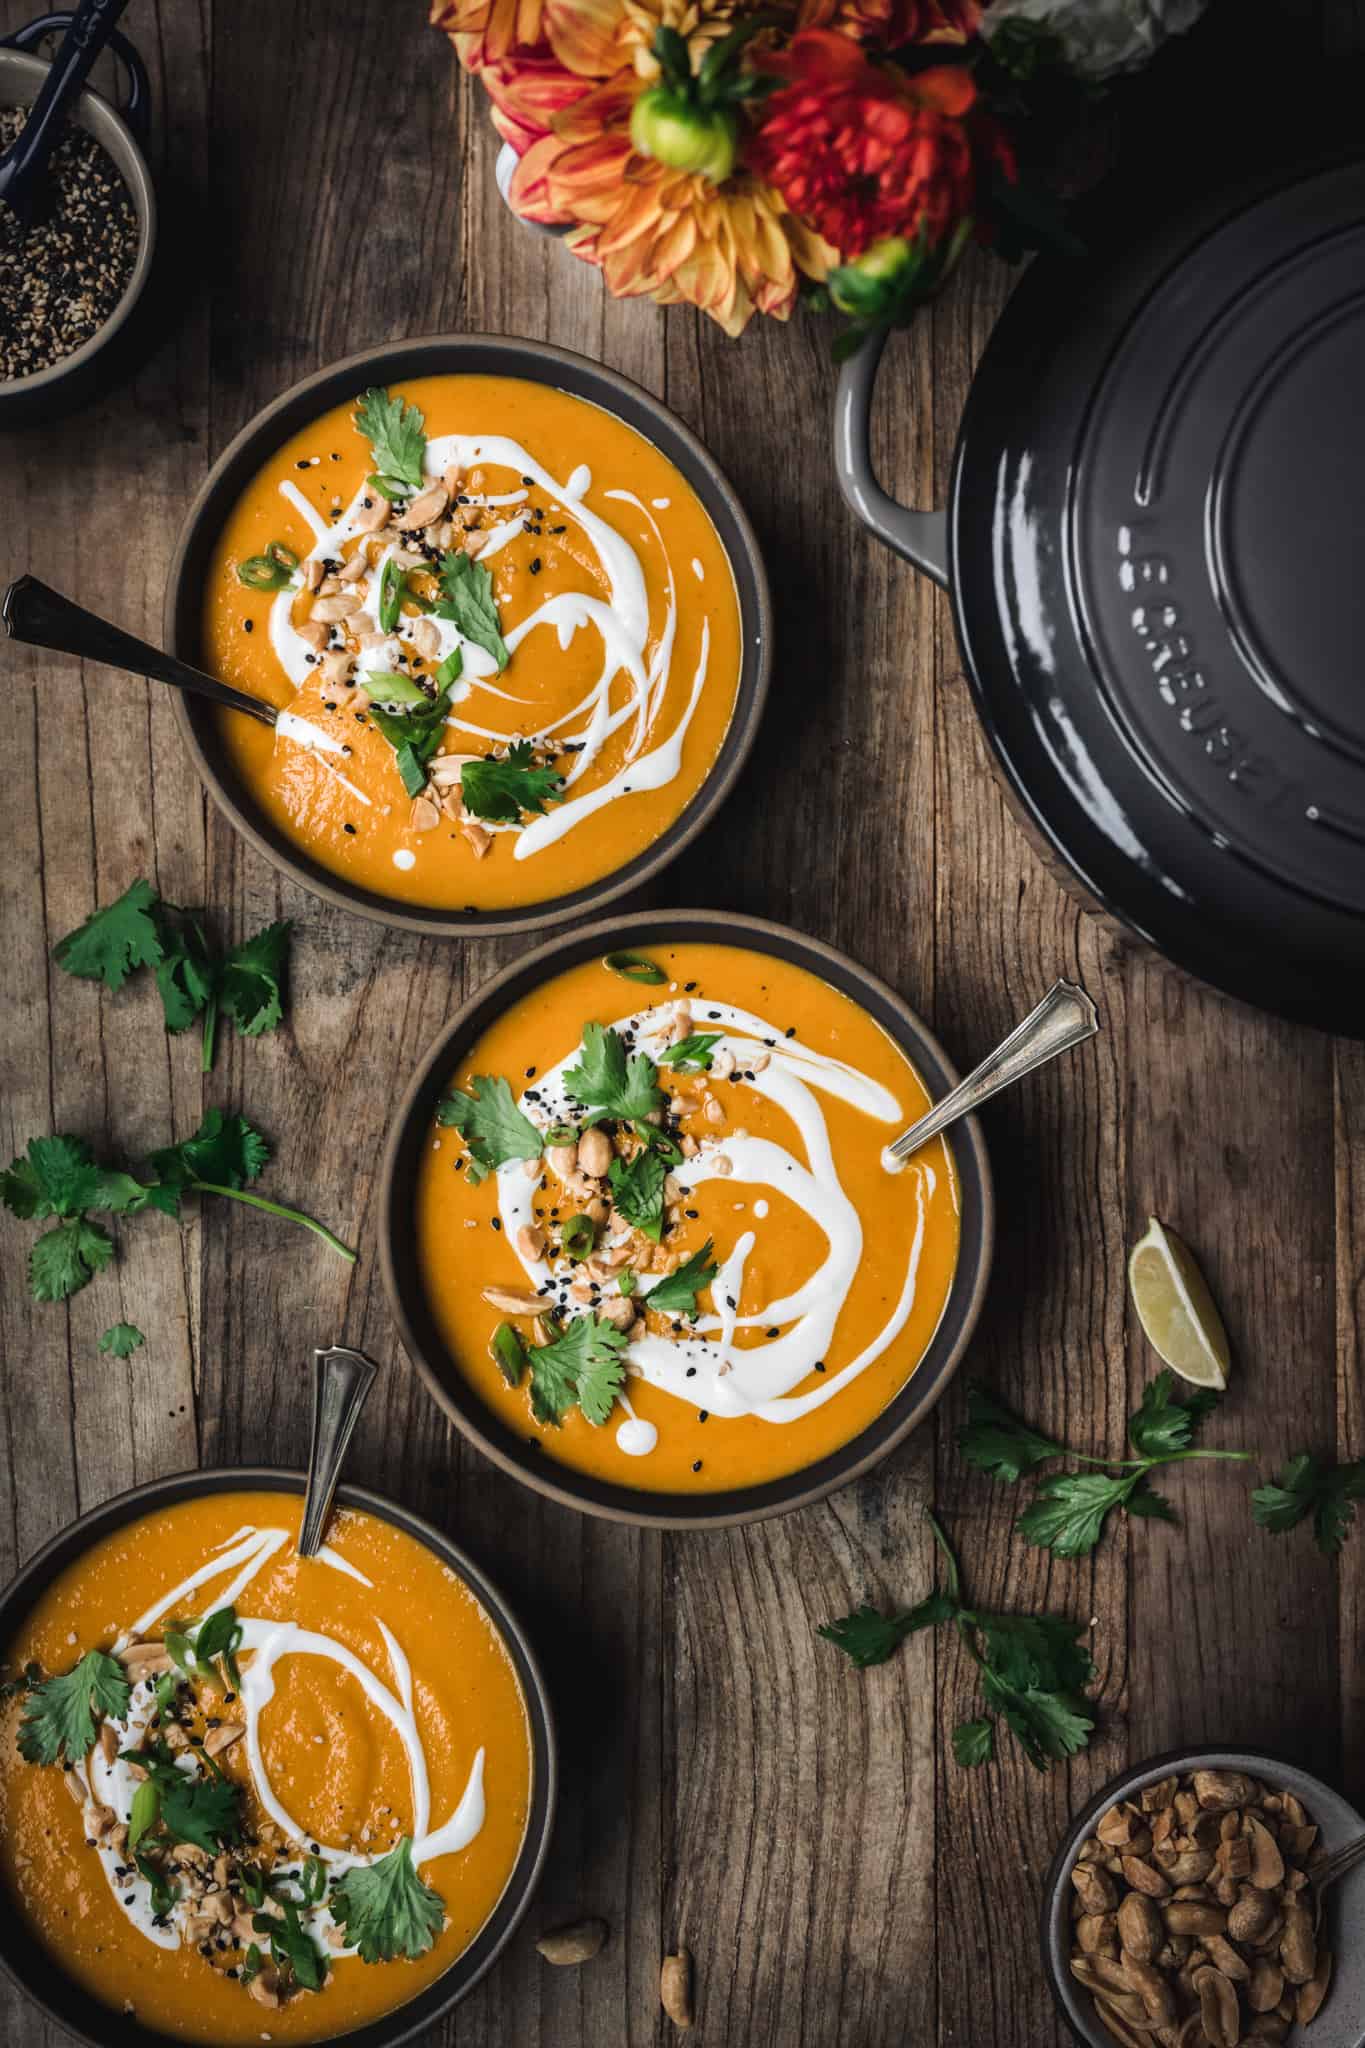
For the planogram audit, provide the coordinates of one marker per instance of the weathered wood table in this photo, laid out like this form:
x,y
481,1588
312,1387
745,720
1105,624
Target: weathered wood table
x,y
729,1781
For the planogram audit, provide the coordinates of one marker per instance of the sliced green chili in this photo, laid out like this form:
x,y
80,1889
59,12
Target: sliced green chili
x,y
390,595
635,967
578,1236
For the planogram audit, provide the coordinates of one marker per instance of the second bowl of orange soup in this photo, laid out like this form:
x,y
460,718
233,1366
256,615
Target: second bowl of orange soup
x,y
640,1234
514,618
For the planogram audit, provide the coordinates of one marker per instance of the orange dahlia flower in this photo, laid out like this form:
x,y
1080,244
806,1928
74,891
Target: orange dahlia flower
x,y
732,249
864,151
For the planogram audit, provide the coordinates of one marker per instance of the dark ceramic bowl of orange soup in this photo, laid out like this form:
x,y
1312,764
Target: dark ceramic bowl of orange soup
x,y
250,1796
512,613
640,1233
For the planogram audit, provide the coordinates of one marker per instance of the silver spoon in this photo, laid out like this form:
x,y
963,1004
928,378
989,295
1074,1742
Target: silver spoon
x,y
41,617
342,1379
1065,1017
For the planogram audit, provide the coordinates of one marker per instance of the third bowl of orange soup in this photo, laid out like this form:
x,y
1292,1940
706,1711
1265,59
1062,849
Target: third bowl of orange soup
x,y
247,1795
641,1235
512,616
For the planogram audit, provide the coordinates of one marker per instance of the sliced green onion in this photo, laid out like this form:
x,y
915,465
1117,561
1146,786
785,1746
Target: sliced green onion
x,y
626,1283
387,487
451,669
398,692
635,967
390,595
283,557
578,1236
259,572
509,1353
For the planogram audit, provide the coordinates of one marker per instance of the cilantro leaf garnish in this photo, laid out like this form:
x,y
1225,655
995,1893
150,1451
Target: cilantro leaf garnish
x,y
637,1191
509,1353
584,1363
502,790
227,1151
385,1908
59,1715
493,1128
1069,1510
164,1892
115,940
397,434
470,606
121,1340
292,1948
691,1055
193,980
1307,1486
676,1294
205,1810
1032,1669
608,1082
414,726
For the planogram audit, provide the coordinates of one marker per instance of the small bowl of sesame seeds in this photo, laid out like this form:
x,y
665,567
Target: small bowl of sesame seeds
x,y
68,285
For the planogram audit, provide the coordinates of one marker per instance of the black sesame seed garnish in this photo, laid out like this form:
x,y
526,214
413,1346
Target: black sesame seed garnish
x,y
248,625
350,829
697,1465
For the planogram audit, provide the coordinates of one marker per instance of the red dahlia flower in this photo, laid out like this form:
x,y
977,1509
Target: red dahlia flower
x,y
863,151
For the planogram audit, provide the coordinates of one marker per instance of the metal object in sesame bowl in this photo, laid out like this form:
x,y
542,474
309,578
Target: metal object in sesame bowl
x,y
105,209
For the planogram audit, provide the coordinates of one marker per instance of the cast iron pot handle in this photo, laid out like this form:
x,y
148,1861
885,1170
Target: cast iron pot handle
x,y
922,537
136,108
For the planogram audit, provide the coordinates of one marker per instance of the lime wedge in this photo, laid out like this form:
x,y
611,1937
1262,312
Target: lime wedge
x,y
1176,1310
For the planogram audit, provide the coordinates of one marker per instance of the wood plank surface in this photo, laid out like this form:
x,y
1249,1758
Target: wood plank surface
x,y
729,1782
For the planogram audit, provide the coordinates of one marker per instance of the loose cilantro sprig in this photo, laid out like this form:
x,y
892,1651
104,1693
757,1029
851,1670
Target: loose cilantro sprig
x,y
1069,1510
193,980
397,434
60,1714
493,1128
502,790
676,1294
1031,1668
582,1365
611,1083
1305,1487
467,601
385,1908
59,1177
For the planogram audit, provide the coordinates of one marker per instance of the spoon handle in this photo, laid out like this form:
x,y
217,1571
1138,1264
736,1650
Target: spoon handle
x,y
342,1380
85,37
1065,1017
41,617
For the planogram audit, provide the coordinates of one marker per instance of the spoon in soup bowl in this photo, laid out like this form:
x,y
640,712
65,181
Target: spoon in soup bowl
x,y
1066,1017
38,616
341,1380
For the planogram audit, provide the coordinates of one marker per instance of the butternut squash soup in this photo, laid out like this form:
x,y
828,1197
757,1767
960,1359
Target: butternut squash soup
x,y
245,1795
656,1228
501,628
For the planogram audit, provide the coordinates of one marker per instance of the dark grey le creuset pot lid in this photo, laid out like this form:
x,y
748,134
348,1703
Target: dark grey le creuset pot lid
x,y
1155,543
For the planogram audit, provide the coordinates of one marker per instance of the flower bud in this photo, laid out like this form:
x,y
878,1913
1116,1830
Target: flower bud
x,y
686,138
871,283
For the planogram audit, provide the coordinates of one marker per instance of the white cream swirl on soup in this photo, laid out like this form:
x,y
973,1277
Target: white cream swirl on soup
x,y
700,1363
113,1784
484,712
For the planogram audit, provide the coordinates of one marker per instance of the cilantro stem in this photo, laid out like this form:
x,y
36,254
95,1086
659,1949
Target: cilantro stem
x,y
1179,1457
208,1187
209,1033
946,1550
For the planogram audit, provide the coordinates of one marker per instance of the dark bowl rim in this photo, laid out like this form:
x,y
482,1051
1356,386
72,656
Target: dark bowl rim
x,y
535,361
1258,1763
92,111
837,1468
405,2022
